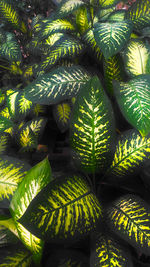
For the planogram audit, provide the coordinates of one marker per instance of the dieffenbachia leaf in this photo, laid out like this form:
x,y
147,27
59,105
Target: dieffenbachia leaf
x,y
68,6
5,123
9,223
133,98
136,57
89,39
65,209
139,13
15,257
11,15
26,138
66,46
12,171
92,128
113,70
129,217
62,113
7,237
117,15
37,126
4,142
57,85
35,179
82,20
107,3
131,151
104,13
10,49
52,26
111,37
107,251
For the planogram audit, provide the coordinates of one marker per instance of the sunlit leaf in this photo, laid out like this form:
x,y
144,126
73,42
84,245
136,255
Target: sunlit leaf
x,y
107,3
4,142
129,217
133,98
111,37
61,113
7,237
131,151
68,6
26,138
117,15
9,223
57,85
37,126
82,19
65,209
92,128
15,257
53,38
5,123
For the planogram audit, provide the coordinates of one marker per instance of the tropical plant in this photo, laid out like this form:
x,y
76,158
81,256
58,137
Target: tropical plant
x,y
82,68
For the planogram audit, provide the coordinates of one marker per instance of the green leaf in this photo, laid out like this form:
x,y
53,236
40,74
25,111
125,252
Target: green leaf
x,y
89,39
37,126
107,3
139,13
36,179
67,46
103,14
111,37
57,25
82,19
129,217
117,15
7,237
15,257
57,85
26,138
5,123
11,15
62,113
10,50
12,171
136,57
92,128
66,7
133,98
65,209
4,142
107,251
131,151
113,70
9,224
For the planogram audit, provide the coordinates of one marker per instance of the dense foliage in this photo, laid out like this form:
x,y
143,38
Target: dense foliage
x,y
75,133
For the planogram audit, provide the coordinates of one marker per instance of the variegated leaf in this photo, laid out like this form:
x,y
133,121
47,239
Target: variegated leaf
x,y
131,151
65,209
117,15
12,171
111,37
67,46
15,257
104,13
66,7
133,98
4,142
62,113
92,128
9,223
37,126
82,20
7,237
107,3
26,138
113,70
139,13
137,57
129,217
107,251
35,179
57,85
5,123
53,38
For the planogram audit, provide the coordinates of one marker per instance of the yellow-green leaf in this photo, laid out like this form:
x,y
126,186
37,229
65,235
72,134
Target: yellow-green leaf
x,y
107,3
68,6
15,257
89,39
4,142
82,19
61,113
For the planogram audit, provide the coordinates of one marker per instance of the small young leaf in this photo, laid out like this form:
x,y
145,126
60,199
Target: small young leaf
x,y
133,98
65,209
89,39
57,85
92,128
112,36
62,113
4,142
82,19
68,6
129,217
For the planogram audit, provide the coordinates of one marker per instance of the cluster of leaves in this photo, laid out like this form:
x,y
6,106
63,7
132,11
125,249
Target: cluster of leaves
x,y
49,64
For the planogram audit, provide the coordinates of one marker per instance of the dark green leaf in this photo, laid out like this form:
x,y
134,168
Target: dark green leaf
x,y
15,257
62,113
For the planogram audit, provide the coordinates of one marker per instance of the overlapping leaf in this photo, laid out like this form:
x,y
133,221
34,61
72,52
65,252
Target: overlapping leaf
x,y
133,98
9,223
131,151
113,70
12,171
108,252
4,142
118,15
139,13
129,217
137,57
68,6
57,85
15,257
66,46
92,128
7,237
26,138
111,37
62,113
36,179
5,123
104,13
107,3
65,209
82,19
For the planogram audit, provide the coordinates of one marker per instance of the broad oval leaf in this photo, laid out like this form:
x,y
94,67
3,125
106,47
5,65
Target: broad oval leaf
x,y
129,217
66,46
36,179
5,123
92,128
26,138
62,113
68,6
57,85
15,257
65,209
12,171
111,37
82,20
107,251
133,98
117,15
107,3
136,57
139,13
131,151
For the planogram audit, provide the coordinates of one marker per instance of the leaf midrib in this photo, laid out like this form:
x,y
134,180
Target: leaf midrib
x,y
1,182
